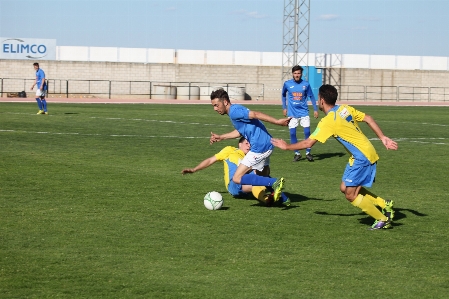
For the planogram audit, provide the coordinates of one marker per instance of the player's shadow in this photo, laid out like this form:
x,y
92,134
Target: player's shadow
x,y
276,205
328,155
301,198
294,198
399,214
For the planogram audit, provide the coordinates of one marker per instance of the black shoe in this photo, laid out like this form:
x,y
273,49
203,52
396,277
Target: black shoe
x,y
309,157
297,157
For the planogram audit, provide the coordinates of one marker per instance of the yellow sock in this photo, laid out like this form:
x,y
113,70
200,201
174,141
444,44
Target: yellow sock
x,y
259,193
368,207
376,200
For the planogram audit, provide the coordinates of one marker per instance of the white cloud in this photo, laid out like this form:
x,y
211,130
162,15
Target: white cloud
x,y
328,17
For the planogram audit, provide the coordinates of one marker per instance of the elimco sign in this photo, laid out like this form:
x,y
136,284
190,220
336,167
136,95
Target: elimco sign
x,y
27,48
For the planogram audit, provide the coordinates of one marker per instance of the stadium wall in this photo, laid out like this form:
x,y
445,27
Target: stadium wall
x,y
221,67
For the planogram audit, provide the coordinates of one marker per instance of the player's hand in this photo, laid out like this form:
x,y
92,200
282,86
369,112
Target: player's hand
x,y
389,143
284,111
214,138
283,121
315,114
279,143
187,170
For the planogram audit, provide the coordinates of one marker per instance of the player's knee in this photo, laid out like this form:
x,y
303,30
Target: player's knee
x,y
342,187
307,132
350,197
236,179
351,194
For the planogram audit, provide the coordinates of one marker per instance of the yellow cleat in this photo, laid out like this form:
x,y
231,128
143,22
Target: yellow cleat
x,y
40,112
278,186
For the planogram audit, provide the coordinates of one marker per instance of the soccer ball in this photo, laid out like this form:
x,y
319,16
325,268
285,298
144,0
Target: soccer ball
x,y
213,201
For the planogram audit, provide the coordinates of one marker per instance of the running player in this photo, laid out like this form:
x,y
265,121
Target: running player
x,y
341,122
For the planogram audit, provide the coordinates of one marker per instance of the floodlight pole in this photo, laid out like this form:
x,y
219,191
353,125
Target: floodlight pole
x,y
295,47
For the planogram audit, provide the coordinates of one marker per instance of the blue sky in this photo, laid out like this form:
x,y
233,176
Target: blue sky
x,y
384,27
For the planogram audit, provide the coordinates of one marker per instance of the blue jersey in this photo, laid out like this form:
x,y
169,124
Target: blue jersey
x,y
40,75
294,98
252,129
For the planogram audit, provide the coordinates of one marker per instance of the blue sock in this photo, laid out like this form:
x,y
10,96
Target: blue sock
x,y
39,103
293,138
307,135
44,105
283,197
257,180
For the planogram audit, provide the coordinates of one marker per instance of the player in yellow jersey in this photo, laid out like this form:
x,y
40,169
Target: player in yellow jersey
x,y
231,158
341,122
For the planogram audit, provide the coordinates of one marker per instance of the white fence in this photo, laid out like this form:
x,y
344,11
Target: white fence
x,y
319,60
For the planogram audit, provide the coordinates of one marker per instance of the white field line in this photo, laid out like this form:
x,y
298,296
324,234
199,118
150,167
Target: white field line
x,y
111,135
413,140
412,123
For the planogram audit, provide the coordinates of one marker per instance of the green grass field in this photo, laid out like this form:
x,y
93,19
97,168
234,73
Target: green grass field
x,y
93,205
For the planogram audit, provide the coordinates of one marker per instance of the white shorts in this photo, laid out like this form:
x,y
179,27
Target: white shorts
x,y
303,121
41,93
257,161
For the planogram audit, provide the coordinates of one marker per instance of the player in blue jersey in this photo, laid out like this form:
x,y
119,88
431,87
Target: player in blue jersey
x,y
41,90
231,157
341,122
295,93
248,124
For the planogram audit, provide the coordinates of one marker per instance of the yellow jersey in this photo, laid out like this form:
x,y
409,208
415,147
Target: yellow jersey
x,y
341,122
231,157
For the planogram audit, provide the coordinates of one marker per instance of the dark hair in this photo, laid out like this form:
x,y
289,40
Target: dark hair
x,y
297,68
242,139
220,94
329,93
36,64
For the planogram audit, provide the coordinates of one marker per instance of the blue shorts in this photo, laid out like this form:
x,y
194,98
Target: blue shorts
x,y
359,175
235,189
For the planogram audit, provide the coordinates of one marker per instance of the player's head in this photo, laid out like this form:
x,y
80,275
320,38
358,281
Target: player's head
x,y
36,65
244,145
297,72
328,94
220,101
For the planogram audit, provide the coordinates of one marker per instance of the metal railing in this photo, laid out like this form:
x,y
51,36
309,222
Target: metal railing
x,y
393,93
202,90
141,89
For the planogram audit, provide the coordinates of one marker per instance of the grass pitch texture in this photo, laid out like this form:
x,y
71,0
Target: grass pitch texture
x,y
93,205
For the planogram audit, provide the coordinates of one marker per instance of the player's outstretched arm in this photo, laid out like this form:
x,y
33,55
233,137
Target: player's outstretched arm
x,y
216,138
265,117
308,143
387,142
204,164
280,143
